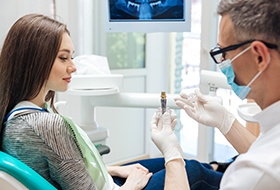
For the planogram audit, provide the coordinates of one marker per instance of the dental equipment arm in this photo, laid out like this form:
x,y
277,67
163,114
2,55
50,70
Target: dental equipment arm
x,y
132,100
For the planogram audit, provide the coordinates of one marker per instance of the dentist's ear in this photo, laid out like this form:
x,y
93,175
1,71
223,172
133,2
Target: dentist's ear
x,y
262,54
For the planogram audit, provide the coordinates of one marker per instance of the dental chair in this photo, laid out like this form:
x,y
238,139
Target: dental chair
x,y
15,175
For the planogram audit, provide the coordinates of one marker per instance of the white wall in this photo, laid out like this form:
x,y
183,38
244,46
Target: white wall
x,y
11,10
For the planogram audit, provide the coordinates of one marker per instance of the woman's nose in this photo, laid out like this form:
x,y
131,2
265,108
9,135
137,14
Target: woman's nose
x,y
71,69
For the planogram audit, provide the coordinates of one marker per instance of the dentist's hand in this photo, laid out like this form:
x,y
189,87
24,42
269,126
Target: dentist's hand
x,y
162,134
206,110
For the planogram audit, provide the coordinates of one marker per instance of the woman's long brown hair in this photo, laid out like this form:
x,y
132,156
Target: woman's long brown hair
x,y
26,59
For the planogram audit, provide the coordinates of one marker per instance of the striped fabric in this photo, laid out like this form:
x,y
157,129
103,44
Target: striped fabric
x,y
44,142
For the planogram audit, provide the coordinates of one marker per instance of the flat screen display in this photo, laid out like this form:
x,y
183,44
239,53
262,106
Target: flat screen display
x,y
161,10
147,15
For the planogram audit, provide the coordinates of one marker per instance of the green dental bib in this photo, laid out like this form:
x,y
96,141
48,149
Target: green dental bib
x,y
92,158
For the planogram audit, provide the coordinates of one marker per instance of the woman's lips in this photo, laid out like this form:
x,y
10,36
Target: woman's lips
x,y
67,79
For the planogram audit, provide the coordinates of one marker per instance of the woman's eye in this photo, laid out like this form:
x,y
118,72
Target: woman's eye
x,y
63,58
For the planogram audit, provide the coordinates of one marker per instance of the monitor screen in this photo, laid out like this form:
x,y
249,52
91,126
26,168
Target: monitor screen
x,y
147,15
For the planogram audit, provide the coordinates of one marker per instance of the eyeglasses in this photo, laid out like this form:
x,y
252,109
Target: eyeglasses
x,y
219,54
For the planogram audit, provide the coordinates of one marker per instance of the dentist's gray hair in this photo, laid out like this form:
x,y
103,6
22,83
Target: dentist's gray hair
x,y
253,19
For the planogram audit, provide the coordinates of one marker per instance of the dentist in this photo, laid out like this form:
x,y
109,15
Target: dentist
x,y
249,56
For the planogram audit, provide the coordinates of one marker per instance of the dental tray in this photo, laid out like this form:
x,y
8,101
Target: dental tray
x,y
248,110
88,82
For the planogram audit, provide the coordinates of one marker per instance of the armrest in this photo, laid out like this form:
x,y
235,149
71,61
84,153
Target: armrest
x,y
102,149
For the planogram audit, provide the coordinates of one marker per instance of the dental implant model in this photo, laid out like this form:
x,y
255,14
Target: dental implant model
x,y
163,102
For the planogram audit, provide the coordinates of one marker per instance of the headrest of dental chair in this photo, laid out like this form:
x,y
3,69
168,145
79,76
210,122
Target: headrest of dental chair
x,y
17,170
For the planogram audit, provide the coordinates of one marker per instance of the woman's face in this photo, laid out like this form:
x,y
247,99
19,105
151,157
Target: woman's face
x,y
63,66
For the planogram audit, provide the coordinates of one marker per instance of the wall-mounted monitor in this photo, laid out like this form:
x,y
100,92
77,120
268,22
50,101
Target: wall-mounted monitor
x,y
147,15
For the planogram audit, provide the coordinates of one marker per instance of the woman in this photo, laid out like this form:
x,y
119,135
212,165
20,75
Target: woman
x,y
36,61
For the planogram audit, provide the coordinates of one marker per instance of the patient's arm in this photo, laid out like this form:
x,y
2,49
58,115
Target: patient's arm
x,y
240,137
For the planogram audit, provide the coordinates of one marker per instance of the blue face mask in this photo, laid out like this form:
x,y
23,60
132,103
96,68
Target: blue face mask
x,y
226,68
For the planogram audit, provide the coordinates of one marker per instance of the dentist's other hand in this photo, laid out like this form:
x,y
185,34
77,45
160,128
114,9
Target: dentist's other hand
x,y
162,134
206,110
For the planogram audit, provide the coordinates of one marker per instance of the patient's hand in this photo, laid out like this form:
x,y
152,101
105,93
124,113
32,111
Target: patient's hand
x,y
124,171
137,176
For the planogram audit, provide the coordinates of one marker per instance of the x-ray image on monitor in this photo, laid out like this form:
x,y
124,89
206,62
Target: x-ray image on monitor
x,y
146,15
146,10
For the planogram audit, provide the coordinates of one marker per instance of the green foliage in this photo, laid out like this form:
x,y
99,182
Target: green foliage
x,y
126,50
